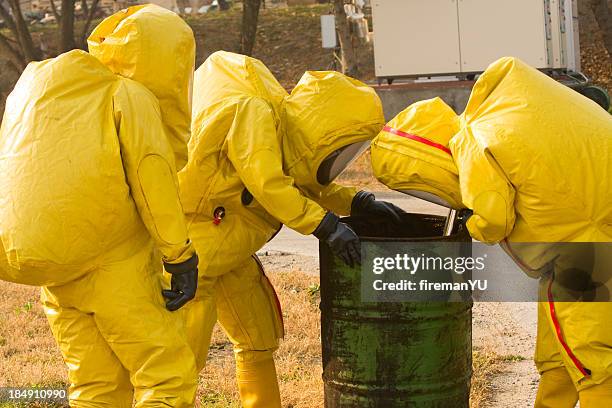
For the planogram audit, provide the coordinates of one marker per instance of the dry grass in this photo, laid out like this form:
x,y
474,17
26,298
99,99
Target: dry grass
x,y
298,360
29,356
485,365
288,40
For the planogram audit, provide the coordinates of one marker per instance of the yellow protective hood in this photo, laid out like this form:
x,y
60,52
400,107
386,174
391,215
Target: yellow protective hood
x,y
226,76
326,111
412,153
534,159
92,175
156,48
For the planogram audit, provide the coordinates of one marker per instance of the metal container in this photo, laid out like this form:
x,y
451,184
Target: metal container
x,y
393,355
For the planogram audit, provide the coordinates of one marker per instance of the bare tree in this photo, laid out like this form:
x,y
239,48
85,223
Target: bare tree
x,y
19,45
65,20
603,15
348,57
20,48
181,5
250,17
66,26
90,13
195,6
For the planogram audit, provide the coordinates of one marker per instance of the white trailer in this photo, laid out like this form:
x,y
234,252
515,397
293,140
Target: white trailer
x,y
425,38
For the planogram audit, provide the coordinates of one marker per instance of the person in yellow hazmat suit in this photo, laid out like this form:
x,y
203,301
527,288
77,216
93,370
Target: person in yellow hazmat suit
x,y
90,145
531,158
260,158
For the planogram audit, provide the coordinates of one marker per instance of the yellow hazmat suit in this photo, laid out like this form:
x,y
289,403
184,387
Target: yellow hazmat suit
x,y
90,143
532,159
253,161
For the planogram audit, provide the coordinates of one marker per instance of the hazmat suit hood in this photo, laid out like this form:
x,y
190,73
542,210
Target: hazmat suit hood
x,y
156,48
327,115
411,154
226,76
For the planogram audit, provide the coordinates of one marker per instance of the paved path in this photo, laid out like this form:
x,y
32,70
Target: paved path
x,y
291,242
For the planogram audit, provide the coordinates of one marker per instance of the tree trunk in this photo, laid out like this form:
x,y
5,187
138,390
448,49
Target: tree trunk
x,y
348,57
66,24
84,7
15,58
54,11
195,6
180,5
90,14
250,15
8,19
22,32
603,15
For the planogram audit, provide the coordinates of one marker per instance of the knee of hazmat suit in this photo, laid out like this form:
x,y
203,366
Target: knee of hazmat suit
x,y
256,152
92,142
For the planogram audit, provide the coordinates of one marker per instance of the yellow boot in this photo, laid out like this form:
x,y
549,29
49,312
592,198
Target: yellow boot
x,y
556,390
256,377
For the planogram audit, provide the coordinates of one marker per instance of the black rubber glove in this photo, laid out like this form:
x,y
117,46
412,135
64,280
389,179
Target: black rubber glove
x,y
364,203
341,239
183,284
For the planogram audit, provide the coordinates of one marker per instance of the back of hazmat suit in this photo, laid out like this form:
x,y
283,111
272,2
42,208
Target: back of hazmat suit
x,y
260,158
532,159
90,143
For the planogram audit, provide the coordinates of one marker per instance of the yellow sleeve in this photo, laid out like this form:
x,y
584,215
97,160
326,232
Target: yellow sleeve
x,y
148,161
337,198
484,189
254,148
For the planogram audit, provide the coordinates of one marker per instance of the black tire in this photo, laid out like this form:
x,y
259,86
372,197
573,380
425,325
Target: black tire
x,y
597,94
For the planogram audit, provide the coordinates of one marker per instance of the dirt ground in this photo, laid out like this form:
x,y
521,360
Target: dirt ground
x,y
503,371
289,43
510,330
595,60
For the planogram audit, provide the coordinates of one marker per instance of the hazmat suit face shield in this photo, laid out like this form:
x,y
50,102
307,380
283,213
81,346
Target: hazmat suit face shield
x,y
424,195
330,120
334,164
411,154
156,48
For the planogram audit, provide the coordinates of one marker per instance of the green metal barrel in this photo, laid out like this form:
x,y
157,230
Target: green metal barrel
x,y
393,355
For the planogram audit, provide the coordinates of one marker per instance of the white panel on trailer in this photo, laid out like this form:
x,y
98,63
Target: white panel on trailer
x,y
557,42
414,37
328,31
490,29
572,36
